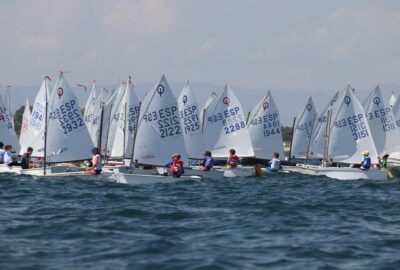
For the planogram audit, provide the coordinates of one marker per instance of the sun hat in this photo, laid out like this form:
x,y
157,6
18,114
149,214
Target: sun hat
x,y
365,153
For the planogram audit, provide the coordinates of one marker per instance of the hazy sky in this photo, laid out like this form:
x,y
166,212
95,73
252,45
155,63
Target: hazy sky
x,y
286,44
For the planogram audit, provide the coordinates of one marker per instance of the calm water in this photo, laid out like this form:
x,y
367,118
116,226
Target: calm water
x,y
284,222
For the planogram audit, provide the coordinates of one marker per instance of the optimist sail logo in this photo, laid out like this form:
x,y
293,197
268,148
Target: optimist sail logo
x,y
60,92
160,89
226,101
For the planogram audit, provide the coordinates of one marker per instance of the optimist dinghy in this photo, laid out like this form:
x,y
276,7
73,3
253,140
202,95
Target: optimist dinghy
x,y
347,136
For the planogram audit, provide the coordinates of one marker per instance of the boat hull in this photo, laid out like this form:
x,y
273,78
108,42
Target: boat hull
x,y
140,179
340,173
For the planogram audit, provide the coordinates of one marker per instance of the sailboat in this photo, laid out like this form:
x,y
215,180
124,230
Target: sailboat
x,y
7,131
225,128
123,123
303,129
24,134
66,137
384,131
318,139
265,129
348,134
158,136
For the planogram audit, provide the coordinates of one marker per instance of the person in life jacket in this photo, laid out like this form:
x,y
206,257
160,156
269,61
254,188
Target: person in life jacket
x,y
97,165
233,159
383,162
176,167
275,163
366,161
208,162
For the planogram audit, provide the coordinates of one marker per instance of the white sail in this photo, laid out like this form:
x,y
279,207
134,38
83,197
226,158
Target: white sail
x,y
159,131
265,129
303,129
392,99
225,126
93,115
37,122
24,134
67,136
7,131
125,120
107,117
396,110
208,102
191,124
114,117
319,134
382,123
350,133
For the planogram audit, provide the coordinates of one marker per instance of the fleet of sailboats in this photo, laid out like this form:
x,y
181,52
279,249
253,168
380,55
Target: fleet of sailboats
x,y
146,132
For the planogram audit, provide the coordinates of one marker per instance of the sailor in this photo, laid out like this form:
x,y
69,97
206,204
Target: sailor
x,y
176,167
96,167
233,159
208,161
2,153
366,161
26,162
275,163
9,158
383,161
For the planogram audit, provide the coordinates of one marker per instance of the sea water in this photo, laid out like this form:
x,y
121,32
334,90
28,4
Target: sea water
x,y
281,221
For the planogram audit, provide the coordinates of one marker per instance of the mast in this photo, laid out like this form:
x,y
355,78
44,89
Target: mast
x,y
327,132
101,126
45,124
134,137
108,133
291,139
124,142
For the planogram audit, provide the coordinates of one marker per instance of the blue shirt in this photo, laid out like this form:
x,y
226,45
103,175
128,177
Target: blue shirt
x,y
366,163
275,164
208,162
2,155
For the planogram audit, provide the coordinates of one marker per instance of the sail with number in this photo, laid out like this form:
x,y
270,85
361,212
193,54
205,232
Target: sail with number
x,y
7,131
37,122
67,136
114,116
319,134
349,131
265,129
190,121
24,134
384,131
159,133
225,126
124,122
303,129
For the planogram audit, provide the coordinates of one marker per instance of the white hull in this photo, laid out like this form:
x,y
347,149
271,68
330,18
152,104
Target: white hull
x,y
240,172
139,179
195,171
394,163
341,173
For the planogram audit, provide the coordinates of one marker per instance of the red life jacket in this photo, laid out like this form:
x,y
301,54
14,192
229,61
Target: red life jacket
x,y
233,159
176,167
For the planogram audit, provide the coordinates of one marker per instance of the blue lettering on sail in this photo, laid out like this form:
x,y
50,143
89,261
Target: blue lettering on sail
x,y
167,120
190,119
356,124
5,117
68,116
388,123
269,122
231,119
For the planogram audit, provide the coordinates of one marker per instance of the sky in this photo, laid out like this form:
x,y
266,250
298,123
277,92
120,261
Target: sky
x,y
317,46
